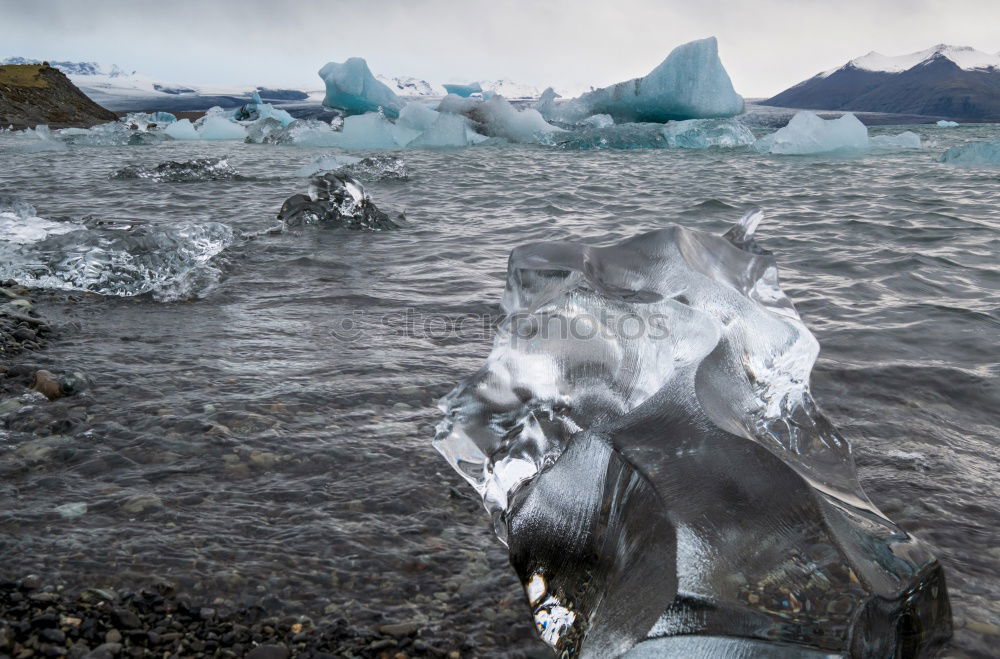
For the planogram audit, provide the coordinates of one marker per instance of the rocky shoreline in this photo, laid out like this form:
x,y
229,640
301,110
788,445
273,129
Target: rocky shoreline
x,y
40,621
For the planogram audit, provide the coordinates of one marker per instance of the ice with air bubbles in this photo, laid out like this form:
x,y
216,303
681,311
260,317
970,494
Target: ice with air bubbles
x,y
644,438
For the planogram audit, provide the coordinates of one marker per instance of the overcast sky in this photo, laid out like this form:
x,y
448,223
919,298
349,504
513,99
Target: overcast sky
x,y
766,45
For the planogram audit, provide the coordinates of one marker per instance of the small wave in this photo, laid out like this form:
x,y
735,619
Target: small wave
x,y
199,169
170,262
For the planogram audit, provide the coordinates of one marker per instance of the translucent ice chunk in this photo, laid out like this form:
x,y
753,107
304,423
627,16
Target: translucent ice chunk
x,y
336,200
705,133
974,153
690,83
904,140
690,134
199,169
217,127
807,133
108,258
500,119
448,130
464,90
598,121
183,129
644,437
39,139
944,123
350,86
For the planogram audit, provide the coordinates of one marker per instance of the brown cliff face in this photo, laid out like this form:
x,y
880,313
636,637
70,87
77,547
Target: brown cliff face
x,y
39,94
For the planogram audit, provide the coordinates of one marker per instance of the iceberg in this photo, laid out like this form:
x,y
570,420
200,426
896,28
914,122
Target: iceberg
x,y
947,124
414,119
807,133
448,130
219,127
546,103
689,134
351,87
40,139
182,129
498,118
335,200
705,133
464,90
690,83
973,153
644,438
257,110
905,140
598,121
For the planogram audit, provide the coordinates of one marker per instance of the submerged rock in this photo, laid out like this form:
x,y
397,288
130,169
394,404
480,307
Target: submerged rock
x,y
337,200
645,440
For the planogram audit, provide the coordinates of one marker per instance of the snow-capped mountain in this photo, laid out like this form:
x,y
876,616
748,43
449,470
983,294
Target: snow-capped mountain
x,y
410,86
954,82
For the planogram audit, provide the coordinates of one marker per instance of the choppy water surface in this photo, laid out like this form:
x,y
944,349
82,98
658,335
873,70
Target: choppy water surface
x,y
269,441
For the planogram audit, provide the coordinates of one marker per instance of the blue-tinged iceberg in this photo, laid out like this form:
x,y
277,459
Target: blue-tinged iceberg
x,y
974,153
464,90
644,437
351,87
690,83
807,133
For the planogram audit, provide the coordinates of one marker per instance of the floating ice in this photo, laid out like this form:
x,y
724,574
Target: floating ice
x,y
546,103
182,130
414,119
448,130
705,133
905,140
218,127
373,168
335,200
259,131
645,440
147,120
499,118
258,110
599,121
171,261
39,139
368,131
690,134
458,105
807,133
944,123
199,169
974,153
464,90
351,87
690,83
115,133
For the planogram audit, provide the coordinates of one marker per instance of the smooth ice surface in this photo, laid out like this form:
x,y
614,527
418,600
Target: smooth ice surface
x,y
705,133
807,133
464,90
905,140
974,153
690,83
350,86
183,129
644,437
499,118
944,123
218,127
448,130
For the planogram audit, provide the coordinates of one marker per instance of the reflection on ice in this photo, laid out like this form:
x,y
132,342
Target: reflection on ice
x,y
645,440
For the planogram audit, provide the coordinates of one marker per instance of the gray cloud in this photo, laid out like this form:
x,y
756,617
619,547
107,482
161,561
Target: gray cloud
x,y
766,45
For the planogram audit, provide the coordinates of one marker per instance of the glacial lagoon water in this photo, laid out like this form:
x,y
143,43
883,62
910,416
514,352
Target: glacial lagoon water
x,y
267,440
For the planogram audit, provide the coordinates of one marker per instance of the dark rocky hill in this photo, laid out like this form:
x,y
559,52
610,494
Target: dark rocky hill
x,y
32,94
